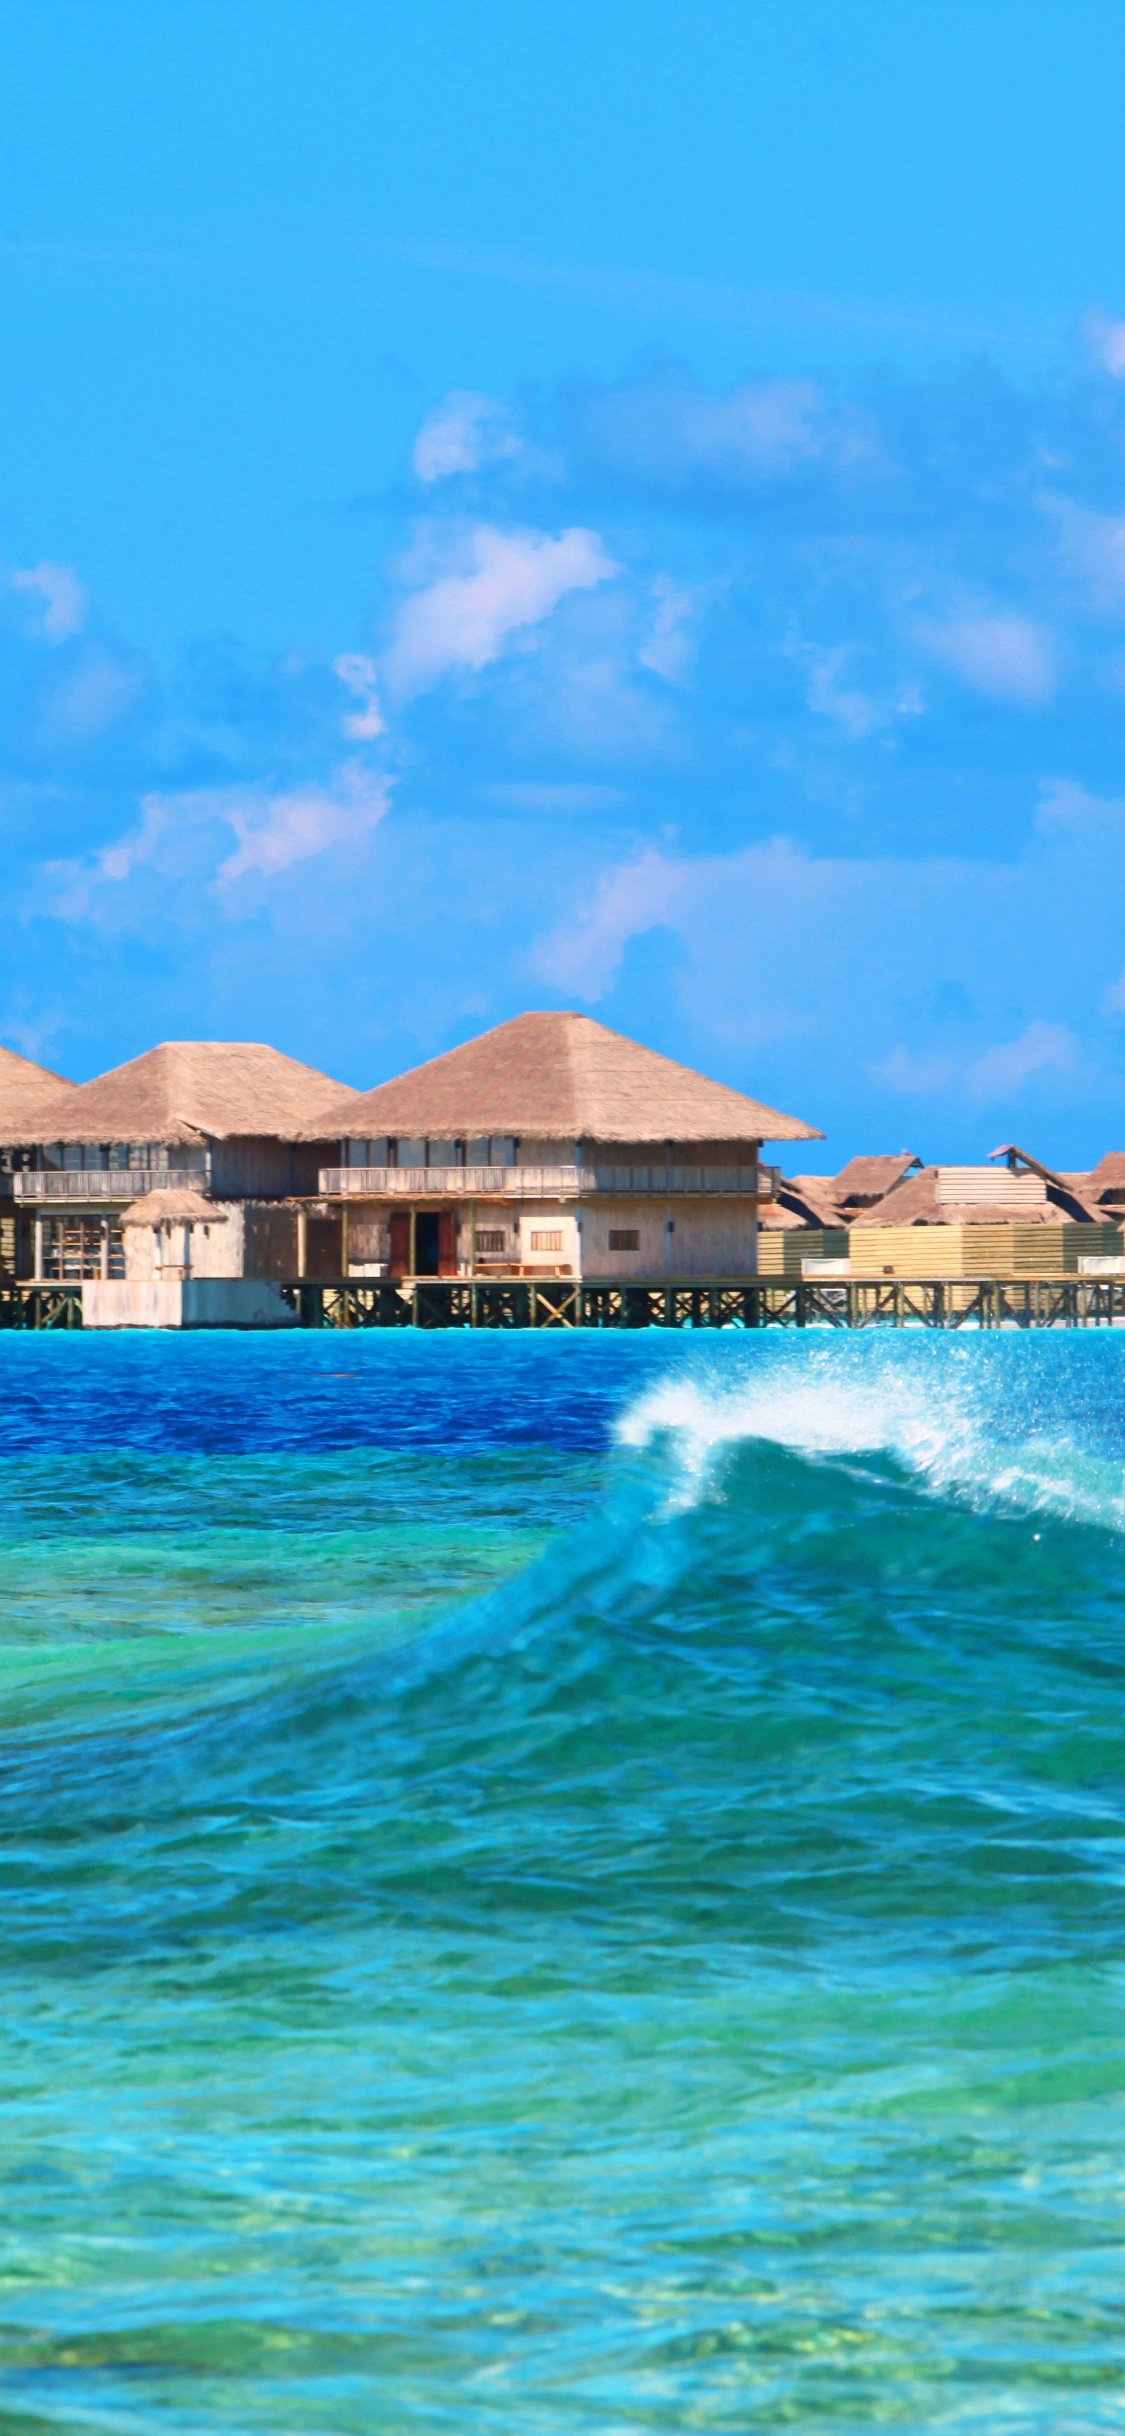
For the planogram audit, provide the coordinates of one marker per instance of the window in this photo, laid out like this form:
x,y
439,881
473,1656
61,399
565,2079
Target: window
x,y
624,1239
490,1239
73,1248
546,1239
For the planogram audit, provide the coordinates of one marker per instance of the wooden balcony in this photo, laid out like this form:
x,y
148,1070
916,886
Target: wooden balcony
x,y
102,1184
567,1183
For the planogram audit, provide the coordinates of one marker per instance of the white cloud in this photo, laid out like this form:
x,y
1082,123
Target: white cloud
x,y
465,432
357,671
65,600
1043,1047
506,583
1003,655
95,694
839,964
180,838
854,711
1093,549
628,900
903,1071
128,854
275,832
766,427
668,648
1106,342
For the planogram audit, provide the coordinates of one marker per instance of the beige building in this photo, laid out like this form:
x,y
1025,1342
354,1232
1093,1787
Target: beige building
x,y
232,1120
27,1091
551,1147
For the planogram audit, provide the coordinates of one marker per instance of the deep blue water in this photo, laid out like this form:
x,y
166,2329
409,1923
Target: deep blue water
x,y
562,1884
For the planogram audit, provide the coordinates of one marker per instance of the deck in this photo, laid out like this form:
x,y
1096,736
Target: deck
x,y
428,1302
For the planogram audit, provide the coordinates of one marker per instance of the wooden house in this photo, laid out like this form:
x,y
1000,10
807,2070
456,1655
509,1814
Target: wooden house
x,y
24,1087
550,1147
233,1120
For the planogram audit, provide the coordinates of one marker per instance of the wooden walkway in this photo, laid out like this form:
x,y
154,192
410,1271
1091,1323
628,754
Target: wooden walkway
x,y
899,1302
1032,1302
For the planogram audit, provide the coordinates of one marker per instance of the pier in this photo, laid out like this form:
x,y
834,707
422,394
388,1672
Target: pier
x,y
899,1302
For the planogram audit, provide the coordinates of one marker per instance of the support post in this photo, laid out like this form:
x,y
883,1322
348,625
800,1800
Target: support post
x,y
38,1244
302,1240
413,1242
345,1241
104,1262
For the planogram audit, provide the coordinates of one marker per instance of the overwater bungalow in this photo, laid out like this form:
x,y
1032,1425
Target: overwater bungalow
x,y
551,1147
26,1091
234,1121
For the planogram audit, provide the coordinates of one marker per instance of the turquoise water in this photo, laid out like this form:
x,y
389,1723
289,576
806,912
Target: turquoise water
x,y
562,1884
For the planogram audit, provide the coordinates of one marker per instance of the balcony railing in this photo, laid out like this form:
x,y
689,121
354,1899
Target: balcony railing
x,y
539,1183
102,1183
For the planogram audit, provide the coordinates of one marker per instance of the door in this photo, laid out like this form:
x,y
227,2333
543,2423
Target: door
x,y
400,1243
427,1243
324,1249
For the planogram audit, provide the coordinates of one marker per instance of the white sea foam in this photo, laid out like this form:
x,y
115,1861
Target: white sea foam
x,y
954,1422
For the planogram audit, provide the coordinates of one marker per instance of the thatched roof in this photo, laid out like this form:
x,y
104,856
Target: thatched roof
x,y
915,1203
558,1078
153,1209
190,1091
800,1201
25,1085
868,1179
1105,1183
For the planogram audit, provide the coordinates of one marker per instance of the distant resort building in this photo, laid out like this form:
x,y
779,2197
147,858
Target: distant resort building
x,y
93,1176
552,1147
189,1185
892,1217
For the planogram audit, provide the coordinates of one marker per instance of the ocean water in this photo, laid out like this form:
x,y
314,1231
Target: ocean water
x,y
556,1884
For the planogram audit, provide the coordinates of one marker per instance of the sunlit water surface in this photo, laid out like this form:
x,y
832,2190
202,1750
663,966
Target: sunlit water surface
x,y
562,1884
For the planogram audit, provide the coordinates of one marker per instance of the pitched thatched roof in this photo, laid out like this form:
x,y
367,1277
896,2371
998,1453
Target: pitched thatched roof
x,y
868,1179
1105,1183
559,1078
800,1201
24,1085
191,1091
167,1203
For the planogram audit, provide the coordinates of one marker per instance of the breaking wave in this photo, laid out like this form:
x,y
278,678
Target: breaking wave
x,y
978,1423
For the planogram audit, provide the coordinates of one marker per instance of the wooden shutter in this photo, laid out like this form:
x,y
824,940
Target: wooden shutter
x,y
447,1243
400,1242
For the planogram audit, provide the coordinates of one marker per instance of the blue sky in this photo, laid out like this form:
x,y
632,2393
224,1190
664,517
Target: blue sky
x,y
606,505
